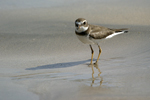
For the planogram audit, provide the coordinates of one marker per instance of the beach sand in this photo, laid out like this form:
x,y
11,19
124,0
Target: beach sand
x,y
42,59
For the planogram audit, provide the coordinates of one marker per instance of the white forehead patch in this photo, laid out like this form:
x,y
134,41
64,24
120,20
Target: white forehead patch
x,y
80,23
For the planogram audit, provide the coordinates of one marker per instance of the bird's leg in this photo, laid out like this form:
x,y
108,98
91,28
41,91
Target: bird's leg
x,y
100,50
92,51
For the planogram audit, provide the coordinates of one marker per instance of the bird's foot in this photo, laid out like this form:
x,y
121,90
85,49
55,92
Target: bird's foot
x,y
90,65
96,63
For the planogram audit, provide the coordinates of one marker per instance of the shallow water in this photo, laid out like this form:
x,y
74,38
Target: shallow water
x,y
41,57
124,66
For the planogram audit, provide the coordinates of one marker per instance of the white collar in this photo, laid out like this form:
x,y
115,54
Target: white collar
x,y
82,29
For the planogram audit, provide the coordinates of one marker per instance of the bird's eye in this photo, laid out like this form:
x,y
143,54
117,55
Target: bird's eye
x,y
84,23
76,25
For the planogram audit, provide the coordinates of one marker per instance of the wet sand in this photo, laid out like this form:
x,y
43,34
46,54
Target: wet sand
x,y
42,59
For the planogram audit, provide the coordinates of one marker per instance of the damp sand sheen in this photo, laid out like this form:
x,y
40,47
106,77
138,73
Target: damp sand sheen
x,y
42,59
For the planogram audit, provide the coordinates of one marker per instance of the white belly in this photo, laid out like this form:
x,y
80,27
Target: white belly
x,y
86,40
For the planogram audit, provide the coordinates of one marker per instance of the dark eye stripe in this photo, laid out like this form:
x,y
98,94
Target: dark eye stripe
x,y
76,25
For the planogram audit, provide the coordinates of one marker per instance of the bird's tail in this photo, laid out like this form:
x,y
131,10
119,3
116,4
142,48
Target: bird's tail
x,y
117,32
124,30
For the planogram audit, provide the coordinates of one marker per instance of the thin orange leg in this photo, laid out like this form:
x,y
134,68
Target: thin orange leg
x,y
100,50
92,54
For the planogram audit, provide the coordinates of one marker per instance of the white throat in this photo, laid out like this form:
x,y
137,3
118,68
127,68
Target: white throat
x,y
82,29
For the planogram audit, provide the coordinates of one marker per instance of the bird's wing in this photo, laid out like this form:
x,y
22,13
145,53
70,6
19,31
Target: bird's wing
x,y
98,32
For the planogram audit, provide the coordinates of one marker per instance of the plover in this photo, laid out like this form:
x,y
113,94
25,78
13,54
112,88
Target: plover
x,y
87,33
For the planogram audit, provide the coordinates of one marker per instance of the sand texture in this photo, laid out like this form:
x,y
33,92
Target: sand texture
x,y
42,59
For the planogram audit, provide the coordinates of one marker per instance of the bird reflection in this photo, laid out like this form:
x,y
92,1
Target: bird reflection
x,y
93,78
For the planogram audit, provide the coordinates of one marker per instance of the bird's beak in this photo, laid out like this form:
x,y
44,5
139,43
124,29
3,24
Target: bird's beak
x,y
78,27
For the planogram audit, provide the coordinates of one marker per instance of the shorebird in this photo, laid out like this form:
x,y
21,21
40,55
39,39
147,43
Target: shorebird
x,y
88,33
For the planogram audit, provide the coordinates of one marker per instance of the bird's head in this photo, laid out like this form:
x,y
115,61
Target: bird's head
x,y
81,25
